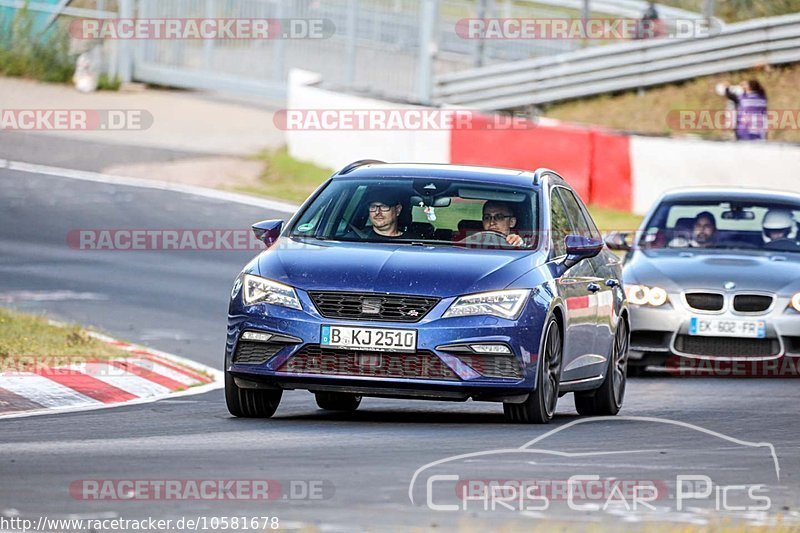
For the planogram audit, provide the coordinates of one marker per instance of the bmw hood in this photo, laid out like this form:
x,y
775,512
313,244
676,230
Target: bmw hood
x,y
431,270
676,271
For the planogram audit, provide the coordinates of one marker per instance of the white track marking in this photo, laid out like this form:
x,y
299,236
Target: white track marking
x,y
98,177
43,391
121,379
165,371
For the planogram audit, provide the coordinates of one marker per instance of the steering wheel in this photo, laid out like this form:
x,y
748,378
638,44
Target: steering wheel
x,y
488,238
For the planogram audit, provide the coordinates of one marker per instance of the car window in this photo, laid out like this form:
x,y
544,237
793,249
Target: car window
x,y
579,224
723,224
448,218
560,226
428,210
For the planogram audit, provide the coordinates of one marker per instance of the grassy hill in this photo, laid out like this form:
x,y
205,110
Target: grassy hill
x,y
648,111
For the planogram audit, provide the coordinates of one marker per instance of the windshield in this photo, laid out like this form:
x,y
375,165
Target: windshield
x,y
418,210
723,225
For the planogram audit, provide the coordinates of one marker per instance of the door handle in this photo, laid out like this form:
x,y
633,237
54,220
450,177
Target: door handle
x,y
593,287
612,282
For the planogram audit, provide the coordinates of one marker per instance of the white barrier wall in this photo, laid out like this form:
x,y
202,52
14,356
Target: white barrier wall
x,y
336,148
659,164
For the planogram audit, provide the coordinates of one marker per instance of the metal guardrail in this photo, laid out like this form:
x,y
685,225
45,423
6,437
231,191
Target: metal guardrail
x,y
623,66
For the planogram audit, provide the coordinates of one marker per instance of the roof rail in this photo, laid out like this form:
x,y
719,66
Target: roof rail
x,y
354,165
539,173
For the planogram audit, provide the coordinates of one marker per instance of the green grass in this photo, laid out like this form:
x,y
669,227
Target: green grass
x,y
649,112
25,54
738,10
104,83
612,220
286,178
25,336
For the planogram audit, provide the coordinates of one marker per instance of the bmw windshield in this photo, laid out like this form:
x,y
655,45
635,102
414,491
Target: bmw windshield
x,y
711,225
421,211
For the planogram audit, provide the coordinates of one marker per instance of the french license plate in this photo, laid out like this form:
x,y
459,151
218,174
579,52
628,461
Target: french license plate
x,y
719,327
377,339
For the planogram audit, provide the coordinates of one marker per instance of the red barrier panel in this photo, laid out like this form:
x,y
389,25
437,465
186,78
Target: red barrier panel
x,y
565,149
596,163
610,184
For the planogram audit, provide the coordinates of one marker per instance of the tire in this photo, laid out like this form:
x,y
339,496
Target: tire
x,y
250,403
540,406
607,399
337,401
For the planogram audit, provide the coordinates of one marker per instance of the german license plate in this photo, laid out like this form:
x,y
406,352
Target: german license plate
x,y
720,327
376,339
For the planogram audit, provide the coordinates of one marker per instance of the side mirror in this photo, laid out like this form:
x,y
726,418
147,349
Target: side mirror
x,y
618,240
580,248
268,231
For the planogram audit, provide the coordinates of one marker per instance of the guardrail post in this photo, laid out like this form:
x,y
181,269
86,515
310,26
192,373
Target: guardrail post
x,y
429,14
708,9
352,41
208,44
124,49
279,45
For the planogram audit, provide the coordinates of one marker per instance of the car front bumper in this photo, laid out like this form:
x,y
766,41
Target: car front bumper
x,y
294,359
660,332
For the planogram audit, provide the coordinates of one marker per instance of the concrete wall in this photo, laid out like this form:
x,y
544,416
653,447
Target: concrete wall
x,y
336,148
608,169
659,164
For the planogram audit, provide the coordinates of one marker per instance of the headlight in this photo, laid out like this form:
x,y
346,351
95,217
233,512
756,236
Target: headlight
x,y
261,290
643,295
796,302
503,304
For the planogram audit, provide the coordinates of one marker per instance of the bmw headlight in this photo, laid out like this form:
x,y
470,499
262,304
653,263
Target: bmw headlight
x,y
796,302
261,290
504,304
644,295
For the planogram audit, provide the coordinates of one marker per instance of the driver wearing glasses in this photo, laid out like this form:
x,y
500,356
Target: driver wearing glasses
x,y
499,217
384,210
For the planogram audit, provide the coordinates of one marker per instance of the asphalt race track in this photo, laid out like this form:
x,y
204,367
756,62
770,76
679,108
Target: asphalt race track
x,y
336,472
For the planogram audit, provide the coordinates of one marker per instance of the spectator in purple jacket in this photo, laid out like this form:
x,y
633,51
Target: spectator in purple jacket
x,y
750,101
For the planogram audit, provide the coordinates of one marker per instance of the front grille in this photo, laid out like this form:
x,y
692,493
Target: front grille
x,y
705,301
313,359
372,306
751,303
494,366
726,346
255,353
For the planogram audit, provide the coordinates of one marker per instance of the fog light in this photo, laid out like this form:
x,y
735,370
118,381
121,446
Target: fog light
x,y
256,336
490,348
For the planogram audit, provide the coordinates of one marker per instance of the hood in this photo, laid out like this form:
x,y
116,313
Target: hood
x,y
370,267
692,269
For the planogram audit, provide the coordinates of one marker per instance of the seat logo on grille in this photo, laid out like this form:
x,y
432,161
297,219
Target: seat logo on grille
x,y
413,312
371,306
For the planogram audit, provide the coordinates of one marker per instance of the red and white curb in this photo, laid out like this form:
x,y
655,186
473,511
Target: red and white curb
x,y
147,375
